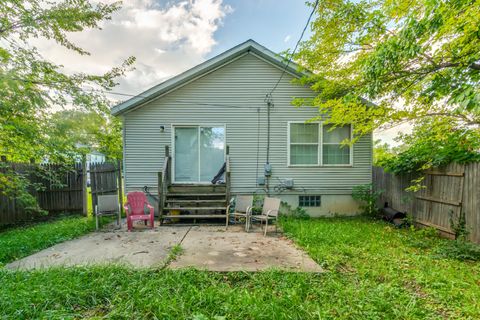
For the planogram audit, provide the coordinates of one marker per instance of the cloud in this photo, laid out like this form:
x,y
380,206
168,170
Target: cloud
x,y
287,38
165,38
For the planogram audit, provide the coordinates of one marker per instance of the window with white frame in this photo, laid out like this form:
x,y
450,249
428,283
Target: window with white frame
x,y
313,144
334,152
304,143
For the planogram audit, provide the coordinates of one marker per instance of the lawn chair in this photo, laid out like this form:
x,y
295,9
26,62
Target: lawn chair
x,y
135,209
243,208
270,209
107,205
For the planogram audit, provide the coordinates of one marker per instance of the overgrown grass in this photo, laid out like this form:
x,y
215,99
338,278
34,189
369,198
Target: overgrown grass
x,y
116,292
373,271
400,262
23,241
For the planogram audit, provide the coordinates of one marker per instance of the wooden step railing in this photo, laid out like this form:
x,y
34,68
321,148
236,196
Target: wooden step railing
x,y
227,175
164,180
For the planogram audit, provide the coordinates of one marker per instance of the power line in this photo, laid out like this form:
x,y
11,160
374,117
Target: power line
x,y
269,100
296,46
253,104
122,94
209,104
192,102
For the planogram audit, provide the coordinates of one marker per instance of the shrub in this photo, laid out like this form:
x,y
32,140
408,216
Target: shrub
x,y
459,227
368,196
409,220
257,204
297,213
459,250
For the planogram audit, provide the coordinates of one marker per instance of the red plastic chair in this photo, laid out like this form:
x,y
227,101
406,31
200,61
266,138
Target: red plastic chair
x,y
135,209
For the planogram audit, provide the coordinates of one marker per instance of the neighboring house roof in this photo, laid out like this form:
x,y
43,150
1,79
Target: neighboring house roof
x,y
97,153
207,66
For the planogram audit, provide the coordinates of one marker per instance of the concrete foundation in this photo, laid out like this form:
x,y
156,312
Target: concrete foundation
x,y
331,205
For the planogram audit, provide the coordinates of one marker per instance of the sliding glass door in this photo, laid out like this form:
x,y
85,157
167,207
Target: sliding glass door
x,y
199,153
186,155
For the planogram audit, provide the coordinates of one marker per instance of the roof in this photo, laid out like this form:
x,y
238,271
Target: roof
x,y
203,68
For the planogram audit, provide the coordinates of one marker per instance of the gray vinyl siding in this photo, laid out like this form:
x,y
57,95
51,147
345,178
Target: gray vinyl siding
x,y
238,90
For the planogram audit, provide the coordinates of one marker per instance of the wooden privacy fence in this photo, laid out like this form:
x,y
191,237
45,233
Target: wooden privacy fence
x,y
60,189
451,189
105,178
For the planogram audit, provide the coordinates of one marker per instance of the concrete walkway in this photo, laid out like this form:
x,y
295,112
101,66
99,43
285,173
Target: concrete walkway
x,y
204,247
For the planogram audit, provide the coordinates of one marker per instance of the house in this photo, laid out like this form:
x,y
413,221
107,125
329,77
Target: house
x,y
271,149
95,157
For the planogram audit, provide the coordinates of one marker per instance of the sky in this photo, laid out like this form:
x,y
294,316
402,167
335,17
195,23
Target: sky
x,y
169,37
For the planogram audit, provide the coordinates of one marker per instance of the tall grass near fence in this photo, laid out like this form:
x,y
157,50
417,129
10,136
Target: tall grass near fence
x,y
21,242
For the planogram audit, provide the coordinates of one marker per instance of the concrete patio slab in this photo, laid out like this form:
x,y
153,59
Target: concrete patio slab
x,y
146,248
204,247
213,248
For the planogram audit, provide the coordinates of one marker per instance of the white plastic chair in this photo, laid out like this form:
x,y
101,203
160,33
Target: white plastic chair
x,y
107,205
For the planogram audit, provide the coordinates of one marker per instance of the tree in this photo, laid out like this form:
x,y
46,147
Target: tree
x,y
433,142
78,133
413,58
30,85
381,152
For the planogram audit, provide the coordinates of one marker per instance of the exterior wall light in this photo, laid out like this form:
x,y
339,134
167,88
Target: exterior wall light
x,y
162,129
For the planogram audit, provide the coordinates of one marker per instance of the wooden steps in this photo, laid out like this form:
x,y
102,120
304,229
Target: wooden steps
x,y
195,208
176,188
196,216
195,202
195,195
176,200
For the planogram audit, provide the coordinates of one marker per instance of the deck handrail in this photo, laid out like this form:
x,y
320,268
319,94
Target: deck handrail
x,y
227,174
164,181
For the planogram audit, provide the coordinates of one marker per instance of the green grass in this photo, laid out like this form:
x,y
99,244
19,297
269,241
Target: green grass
x,y
20,242
373,271
375,256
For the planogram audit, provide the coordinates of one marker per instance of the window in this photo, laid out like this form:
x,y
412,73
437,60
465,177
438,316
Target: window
x,y
334,153
314,144
304,138
309,201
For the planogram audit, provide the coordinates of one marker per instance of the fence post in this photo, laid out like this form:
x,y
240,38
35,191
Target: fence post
x,y
84,187
120,186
